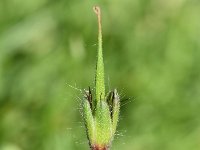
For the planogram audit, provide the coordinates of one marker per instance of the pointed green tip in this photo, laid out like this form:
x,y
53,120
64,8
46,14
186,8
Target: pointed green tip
x,y
99,78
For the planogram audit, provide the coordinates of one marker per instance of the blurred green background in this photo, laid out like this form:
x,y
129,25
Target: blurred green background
x,y
151,53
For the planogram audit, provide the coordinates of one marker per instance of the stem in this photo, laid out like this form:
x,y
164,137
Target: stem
x,y
99,148
99,79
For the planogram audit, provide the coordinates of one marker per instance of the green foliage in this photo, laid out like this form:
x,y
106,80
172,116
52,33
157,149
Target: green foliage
x,y
152,53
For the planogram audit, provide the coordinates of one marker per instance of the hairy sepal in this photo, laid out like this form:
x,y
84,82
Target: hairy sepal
x,y
89,121
103,123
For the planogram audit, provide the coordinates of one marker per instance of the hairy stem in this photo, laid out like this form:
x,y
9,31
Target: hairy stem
x,y
99,78
99,148
96,148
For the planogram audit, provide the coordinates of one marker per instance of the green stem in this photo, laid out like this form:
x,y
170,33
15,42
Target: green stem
x,y
99,148
99,78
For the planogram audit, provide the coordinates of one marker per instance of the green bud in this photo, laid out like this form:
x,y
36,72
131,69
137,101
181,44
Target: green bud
x,y
100,114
